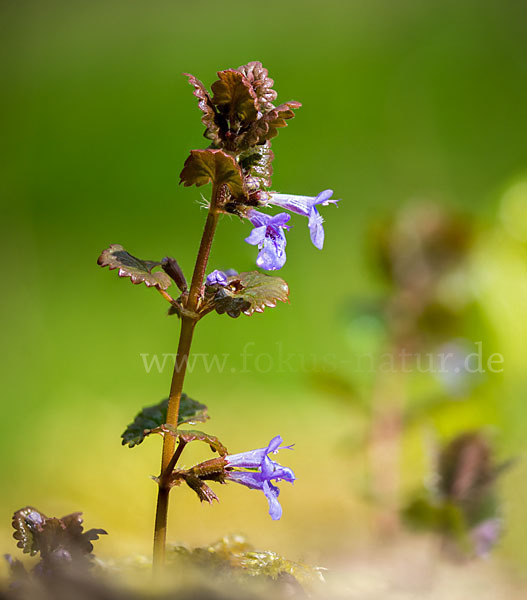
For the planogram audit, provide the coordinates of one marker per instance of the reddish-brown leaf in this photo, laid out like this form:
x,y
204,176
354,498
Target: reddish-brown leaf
x,y
213,166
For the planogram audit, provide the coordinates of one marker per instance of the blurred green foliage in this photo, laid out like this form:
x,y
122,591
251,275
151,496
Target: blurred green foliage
x,y
401,101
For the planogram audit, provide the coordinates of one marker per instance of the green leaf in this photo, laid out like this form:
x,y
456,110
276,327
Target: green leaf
x,y
248,293
235,98
260,82
213,166
139,271
153,417
210,117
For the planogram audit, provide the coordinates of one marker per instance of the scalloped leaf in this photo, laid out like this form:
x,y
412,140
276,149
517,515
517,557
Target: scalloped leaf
x,y
210,117
56,539
276,119
213,166
249,292
265,128
139,271
261,83
26,523
235,98
152,417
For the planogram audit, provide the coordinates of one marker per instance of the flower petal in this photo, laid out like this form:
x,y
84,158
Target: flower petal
x,y
270,469
279,220
247,460
316,230
257,235
257,218
284,473
216,278
324,198
271,493
301,205
272,254
274,444
254,481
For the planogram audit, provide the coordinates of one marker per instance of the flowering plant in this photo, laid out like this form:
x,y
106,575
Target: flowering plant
x,y
240,120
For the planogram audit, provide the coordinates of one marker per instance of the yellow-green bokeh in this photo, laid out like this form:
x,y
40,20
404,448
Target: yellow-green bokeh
x,y
401,101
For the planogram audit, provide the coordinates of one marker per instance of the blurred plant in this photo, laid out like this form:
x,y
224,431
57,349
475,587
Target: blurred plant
x,y
461,504
229,568
426,313
240,120
423,255
60,542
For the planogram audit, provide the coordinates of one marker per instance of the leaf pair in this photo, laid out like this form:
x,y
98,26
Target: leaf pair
x,y
152,420
247,292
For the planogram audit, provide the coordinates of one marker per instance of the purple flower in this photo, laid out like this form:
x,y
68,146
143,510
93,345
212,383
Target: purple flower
x,y
219,277
264,470
306,206
268,234
216,278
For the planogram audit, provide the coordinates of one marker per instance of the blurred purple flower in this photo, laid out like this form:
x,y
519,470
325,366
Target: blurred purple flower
x,y
265,469
486,535
306,206
268,234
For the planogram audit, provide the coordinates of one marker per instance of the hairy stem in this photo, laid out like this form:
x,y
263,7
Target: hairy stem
x,y
188,321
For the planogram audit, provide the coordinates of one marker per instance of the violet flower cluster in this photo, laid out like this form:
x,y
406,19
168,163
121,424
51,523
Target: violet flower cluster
x,y
269,231
258,470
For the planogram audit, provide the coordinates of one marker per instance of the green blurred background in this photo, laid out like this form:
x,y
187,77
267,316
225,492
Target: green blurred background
x,y
401,101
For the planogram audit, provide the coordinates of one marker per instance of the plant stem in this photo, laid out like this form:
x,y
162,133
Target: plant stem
x,y
188,321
